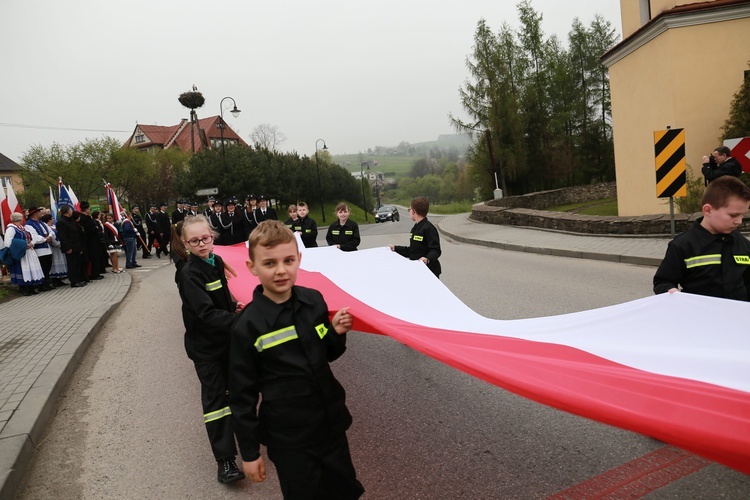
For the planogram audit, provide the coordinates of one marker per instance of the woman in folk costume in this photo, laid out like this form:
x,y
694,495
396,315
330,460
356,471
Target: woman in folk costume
x,y
59,268
40,238
27,272
112,236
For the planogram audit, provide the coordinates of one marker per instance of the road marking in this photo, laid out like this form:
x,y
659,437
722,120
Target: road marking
x,y
637,478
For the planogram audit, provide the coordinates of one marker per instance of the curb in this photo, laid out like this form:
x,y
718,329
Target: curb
x,y
22,434
557,252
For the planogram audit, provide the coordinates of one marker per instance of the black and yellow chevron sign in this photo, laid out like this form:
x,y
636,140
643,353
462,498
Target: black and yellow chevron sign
x,y
669,151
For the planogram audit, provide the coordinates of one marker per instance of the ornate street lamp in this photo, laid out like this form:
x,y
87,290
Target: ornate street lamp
x,y
320,186
235,112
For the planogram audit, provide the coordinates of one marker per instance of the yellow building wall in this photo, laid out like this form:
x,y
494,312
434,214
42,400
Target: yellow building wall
x,y
684,78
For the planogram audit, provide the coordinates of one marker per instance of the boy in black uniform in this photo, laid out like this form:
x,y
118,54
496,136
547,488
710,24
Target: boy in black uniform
x,y
306,226
343,233
208,312
712,257
424,240
151,227
163,230
281,349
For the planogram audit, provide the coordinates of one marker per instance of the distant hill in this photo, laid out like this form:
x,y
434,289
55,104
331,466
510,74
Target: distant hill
x,y
398,159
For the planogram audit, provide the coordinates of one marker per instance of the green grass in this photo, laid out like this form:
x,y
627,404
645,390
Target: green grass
x,y
607,206
8,292
397,166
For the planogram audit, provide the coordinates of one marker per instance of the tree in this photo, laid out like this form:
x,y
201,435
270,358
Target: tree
x,y
267,136
738,122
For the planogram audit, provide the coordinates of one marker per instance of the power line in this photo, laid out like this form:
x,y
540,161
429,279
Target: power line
x,y
43,127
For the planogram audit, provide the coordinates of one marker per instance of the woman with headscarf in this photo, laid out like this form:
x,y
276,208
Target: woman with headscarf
x,y
25,272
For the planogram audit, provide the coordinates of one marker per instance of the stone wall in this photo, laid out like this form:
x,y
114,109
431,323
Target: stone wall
x,y
528,210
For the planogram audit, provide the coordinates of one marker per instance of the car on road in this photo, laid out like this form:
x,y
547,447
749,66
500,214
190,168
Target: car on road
x,y
387,212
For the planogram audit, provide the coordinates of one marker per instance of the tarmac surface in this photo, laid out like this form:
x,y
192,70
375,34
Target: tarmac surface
x,y
42,340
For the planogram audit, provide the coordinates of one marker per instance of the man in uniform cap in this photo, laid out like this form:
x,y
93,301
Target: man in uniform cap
x,y
135,216
151,225
164,229
231,224
179,213
263,211
210,210
193,208
248,215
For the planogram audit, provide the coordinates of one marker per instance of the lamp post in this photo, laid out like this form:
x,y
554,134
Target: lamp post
x,y
362,181
235,112
320,186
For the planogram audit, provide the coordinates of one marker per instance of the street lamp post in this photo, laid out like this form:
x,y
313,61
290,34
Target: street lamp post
x,y
235,112
320,186
362,181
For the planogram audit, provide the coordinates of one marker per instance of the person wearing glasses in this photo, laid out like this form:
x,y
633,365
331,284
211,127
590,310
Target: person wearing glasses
x,y
208,312
424,240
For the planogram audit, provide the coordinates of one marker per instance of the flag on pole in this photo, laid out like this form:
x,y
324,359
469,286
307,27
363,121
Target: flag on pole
x,y
9,205
74,198
112,203
52,205
3,203
63,197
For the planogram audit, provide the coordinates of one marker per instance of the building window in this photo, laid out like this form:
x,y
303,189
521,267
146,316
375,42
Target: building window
x,y
6,181
645,8
140,138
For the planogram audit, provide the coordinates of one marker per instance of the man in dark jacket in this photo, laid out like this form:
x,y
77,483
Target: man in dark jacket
x,y
92,237
163,229
72,246
720,163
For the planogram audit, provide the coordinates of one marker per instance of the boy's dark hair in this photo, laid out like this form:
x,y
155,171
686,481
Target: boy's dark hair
x,y
723,150
420,205
301,204
719,191
269,233
85,205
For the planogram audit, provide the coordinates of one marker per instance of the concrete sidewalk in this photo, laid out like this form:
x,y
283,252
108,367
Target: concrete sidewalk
x,y
640,250
44,336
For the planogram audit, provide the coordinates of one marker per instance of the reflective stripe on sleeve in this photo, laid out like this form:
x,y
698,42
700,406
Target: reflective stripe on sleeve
x,y
275,338
703,260
742,259
213,286
418,237
322,330
216,415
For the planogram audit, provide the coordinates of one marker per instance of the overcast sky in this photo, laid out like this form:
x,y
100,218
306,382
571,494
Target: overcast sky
x,y
356,74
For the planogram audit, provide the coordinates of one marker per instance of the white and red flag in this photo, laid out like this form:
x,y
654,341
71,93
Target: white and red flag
x,y
8,204
74,199
660,366
112,203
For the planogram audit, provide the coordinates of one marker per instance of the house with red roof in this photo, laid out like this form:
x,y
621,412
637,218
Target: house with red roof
x,y
206,133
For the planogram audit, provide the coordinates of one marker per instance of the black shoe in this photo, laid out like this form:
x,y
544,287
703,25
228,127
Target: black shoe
x,y
100,277
147,256
62,283
228,471
33,291
77,285
24,291
46,287
137,265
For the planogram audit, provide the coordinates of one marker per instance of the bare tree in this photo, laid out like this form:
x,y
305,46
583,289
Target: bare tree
x,y
267,136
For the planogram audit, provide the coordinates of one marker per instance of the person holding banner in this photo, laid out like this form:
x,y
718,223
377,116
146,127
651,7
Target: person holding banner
x,y
129,236
712,257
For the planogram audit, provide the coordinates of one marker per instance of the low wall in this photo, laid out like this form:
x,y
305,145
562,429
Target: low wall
x,y
528,210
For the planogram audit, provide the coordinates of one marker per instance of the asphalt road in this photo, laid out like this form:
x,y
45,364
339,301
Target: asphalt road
x,y
129,425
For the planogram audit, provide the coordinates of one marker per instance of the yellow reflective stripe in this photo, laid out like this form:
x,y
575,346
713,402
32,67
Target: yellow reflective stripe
x,y
275,338
216,415
348,233
335,231
742,259
213,286
418,238
322,330
703,260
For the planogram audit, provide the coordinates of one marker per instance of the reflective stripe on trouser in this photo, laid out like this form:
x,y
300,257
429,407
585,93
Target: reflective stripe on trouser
x,y
703,260
216,413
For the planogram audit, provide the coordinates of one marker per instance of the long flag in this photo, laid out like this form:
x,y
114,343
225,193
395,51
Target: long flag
x,y
52,205
74,198
8,205
112,203
63,197
659,366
